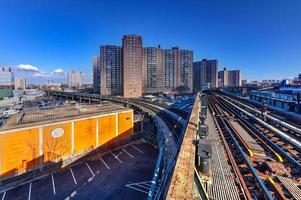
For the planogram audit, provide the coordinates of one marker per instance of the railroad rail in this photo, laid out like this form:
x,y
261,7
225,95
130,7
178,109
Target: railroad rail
x,y
262,129
294,128
278,154
288,118
227,179
240,156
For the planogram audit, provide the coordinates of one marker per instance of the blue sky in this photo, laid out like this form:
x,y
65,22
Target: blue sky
x,y
260,37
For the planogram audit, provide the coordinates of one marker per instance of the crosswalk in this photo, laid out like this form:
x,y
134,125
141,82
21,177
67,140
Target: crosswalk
x,y
143,187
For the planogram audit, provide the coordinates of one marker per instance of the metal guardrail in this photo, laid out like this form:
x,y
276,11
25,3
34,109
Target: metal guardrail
x,y
200,186
168,171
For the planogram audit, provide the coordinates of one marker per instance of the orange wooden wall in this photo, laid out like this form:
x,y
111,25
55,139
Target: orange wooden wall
x,y
125,124
20,150
106,129
56,148
84,135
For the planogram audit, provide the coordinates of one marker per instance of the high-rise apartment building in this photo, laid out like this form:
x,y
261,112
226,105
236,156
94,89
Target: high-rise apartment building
x,y
166,69
170,64
205,74
150,69
111,70
75,79
20,83
96,75
178,68
186,64
223,77
131,70
234,78
132,66
230,78
153,70
196,76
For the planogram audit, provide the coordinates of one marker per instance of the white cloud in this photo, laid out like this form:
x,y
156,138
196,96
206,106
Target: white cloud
x,y
41,75
27,67
58,71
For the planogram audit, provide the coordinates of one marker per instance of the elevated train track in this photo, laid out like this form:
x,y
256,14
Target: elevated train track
x,y
173,124
284,119
247,173
223,173
277,153
295,129
286,146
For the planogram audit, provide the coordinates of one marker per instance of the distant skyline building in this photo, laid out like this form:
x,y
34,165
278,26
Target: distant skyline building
x,y
20,83
132,66
7,80
244,82
75,79
7,77
205,74
300,76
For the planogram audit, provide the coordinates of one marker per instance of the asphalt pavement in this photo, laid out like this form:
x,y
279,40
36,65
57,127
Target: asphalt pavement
x,y
125,173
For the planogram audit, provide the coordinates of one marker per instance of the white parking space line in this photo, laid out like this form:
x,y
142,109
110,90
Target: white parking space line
x,y
90,169
73,176
3,195
136,148
140,186
29,192
73,194
128,153
53,185
143,186
146,183
146,192
104,163
116,157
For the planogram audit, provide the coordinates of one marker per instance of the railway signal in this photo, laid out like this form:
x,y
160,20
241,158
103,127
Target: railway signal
x,y
264,110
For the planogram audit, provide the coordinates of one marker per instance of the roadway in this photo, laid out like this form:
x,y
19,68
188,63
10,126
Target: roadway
x,y
124,173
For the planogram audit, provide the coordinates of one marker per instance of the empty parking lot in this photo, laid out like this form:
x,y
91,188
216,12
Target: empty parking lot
x,y
124,173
